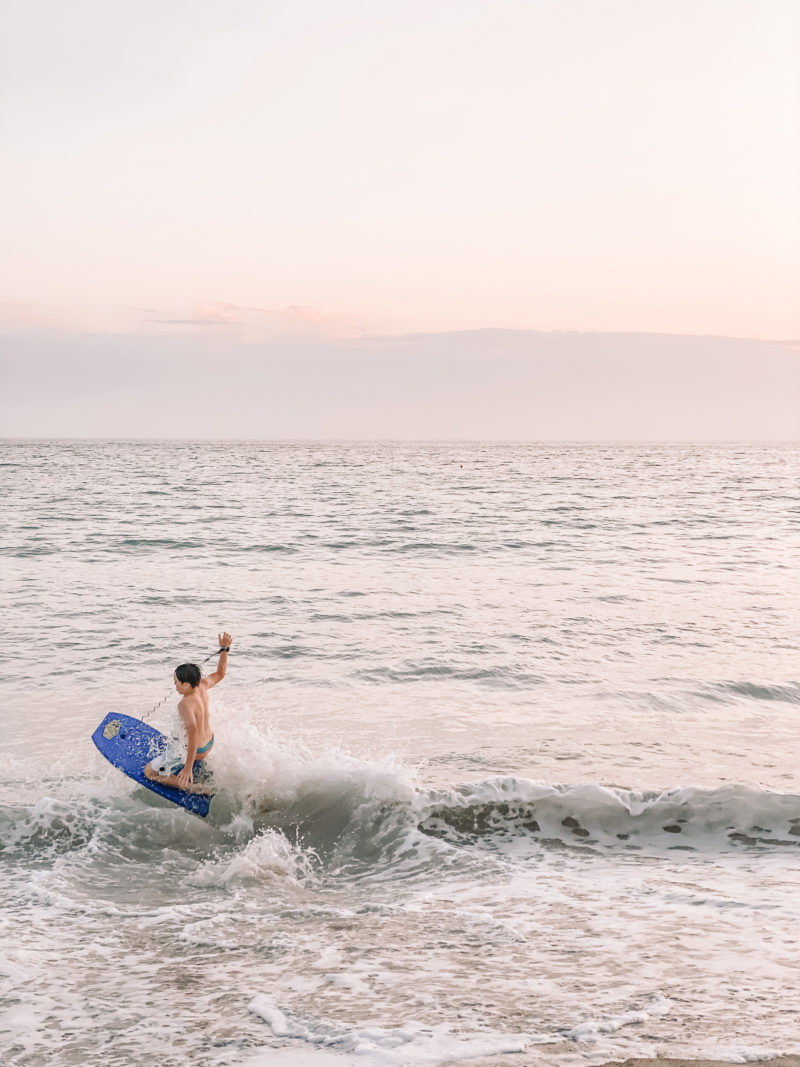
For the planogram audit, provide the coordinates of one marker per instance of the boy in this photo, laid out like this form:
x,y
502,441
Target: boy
x,y
193,713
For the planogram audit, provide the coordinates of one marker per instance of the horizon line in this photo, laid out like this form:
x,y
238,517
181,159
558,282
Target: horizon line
x,y
8,330
667,442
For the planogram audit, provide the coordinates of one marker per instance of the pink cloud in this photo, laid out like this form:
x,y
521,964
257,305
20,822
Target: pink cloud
x,y
305,318
254,323
220,312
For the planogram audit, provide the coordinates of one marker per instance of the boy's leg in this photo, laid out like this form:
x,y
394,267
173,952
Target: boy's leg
x,y
172,780
162,779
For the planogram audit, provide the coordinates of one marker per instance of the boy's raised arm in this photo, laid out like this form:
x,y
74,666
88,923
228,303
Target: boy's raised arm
x,y
222,666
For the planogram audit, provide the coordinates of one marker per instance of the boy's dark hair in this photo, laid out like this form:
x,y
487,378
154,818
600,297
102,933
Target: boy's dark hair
x,y
189,672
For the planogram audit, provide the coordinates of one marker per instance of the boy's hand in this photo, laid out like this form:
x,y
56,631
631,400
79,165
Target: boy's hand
x,y
225,639
185,778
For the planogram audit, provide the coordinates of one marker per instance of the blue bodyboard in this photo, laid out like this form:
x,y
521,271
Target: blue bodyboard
x,y
129,744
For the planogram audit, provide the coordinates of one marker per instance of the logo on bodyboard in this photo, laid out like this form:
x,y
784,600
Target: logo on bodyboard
x,y
112,729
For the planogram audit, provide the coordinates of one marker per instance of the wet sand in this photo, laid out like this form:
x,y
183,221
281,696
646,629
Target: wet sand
x,y
531,1059
775,1061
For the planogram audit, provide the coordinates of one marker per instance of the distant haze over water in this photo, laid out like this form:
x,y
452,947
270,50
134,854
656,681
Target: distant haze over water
x,y
237,381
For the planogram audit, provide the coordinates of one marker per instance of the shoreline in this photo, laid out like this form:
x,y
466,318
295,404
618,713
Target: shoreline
x,y
522,1060
783,1060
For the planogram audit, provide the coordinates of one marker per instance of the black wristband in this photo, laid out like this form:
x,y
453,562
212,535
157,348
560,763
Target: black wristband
x,y
225,648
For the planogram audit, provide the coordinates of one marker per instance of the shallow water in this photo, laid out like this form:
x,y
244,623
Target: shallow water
x,y
505,757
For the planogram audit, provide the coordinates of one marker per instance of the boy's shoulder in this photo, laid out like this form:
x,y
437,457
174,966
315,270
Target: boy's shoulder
x,y
189,703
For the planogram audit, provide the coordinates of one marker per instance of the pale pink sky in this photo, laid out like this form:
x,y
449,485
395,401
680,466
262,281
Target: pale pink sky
x,y
382,167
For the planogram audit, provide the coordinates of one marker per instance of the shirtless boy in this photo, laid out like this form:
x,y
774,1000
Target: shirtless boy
x,y
193,712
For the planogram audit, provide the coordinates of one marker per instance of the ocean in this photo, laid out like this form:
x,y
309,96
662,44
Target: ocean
x,y
506,757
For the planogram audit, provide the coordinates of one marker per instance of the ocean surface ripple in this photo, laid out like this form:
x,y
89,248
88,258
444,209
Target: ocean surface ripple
x,y
505,759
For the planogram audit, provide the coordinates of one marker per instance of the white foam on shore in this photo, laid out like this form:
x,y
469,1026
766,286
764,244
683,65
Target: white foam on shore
x,y
417,1045
592,1030
411,1044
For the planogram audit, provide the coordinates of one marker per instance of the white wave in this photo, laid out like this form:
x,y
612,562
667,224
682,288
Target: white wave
x,y
591,814
48,822
267,855
264,770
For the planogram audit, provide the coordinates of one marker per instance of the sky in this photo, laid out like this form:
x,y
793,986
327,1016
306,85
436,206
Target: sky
x,y
358,187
